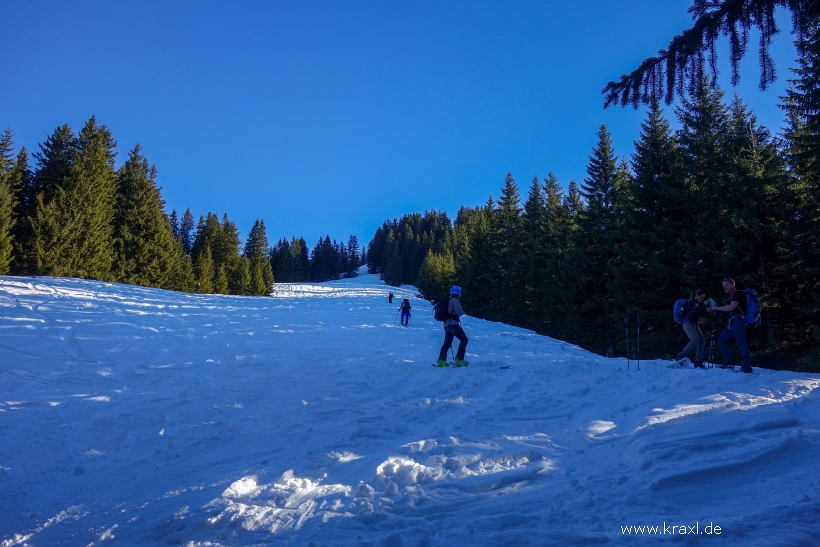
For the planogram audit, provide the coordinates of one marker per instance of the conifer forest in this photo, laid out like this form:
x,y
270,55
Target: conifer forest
x,y
68,210
720,196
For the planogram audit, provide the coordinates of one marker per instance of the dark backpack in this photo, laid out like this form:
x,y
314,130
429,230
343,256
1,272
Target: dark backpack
x,y
440,309
752,306
405,305
679,312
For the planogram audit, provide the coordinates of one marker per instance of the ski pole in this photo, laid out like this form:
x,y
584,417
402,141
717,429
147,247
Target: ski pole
x,y
639,341
712,342
397,316
626,326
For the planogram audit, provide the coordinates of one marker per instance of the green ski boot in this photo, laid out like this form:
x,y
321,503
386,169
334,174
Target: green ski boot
x,y
460,363
442,363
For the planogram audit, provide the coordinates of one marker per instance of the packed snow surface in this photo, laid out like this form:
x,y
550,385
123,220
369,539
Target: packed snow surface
x,y
134,416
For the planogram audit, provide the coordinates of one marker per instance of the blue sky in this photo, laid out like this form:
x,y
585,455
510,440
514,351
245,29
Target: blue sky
x,y
329,117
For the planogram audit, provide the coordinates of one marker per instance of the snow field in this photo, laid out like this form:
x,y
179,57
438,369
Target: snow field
x,y
134,416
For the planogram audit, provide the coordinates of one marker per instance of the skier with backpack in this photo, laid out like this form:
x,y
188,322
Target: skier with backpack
x,y
449,311
744,309
688,313
405,312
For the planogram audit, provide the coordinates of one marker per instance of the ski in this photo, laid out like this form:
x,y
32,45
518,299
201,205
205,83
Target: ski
x,y
449,364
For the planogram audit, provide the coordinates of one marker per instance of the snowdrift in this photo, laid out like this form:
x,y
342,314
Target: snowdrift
x,y
134,416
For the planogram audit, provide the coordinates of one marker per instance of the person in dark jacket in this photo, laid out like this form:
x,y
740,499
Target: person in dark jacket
x,y
695,308
452,329
405,312
390,297
736,328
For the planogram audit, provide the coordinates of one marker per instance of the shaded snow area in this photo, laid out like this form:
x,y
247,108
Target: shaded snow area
x,y
134,416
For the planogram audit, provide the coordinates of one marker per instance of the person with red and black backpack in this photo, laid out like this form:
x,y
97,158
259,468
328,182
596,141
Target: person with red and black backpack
x,y
449,311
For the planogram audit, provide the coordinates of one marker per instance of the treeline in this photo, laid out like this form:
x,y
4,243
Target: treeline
x,y
328,260
75,213
719,197
398,248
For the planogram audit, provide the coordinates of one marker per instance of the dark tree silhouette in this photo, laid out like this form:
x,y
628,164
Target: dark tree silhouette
x,y
683,64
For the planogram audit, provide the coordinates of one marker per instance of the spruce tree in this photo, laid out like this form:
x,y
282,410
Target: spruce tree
x,y
475,230
183,277
6,153
6,226
391,271
353,261
802,149
75,186
556,241
204,271
220,281
147,253
239,277
226,249
174,220
208,230
186,227
54,161
52,226
20,183
6,202
52,232
589,276
533,265
506,245
302,257
705,203
226,246
93,194
257,252
761,199
573,201
652,266
436,275
281,262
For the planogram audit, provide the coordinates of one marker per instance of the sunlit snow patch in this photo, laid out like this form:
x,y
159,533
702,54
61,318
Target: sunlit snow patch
x,y
279,507
596,427
74,512
732,401
344,457
471,467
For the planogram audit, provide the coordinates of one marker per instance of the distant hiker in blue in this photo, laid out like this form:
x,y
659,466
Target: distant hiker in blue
x,y
452,329
405,313
692,312
736,329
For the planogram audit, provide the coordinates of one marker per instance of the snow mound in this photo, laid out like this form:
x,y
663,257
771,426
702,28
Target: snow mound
x,y
279,507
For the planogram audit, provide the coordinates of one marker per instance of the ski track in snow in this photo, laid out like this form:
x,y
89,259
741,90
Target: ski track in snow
x,y
134,416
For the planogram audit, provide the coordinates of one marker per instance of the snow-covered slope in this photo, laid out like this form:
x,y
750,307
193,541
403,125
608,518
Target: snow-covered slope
x,y
133,416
